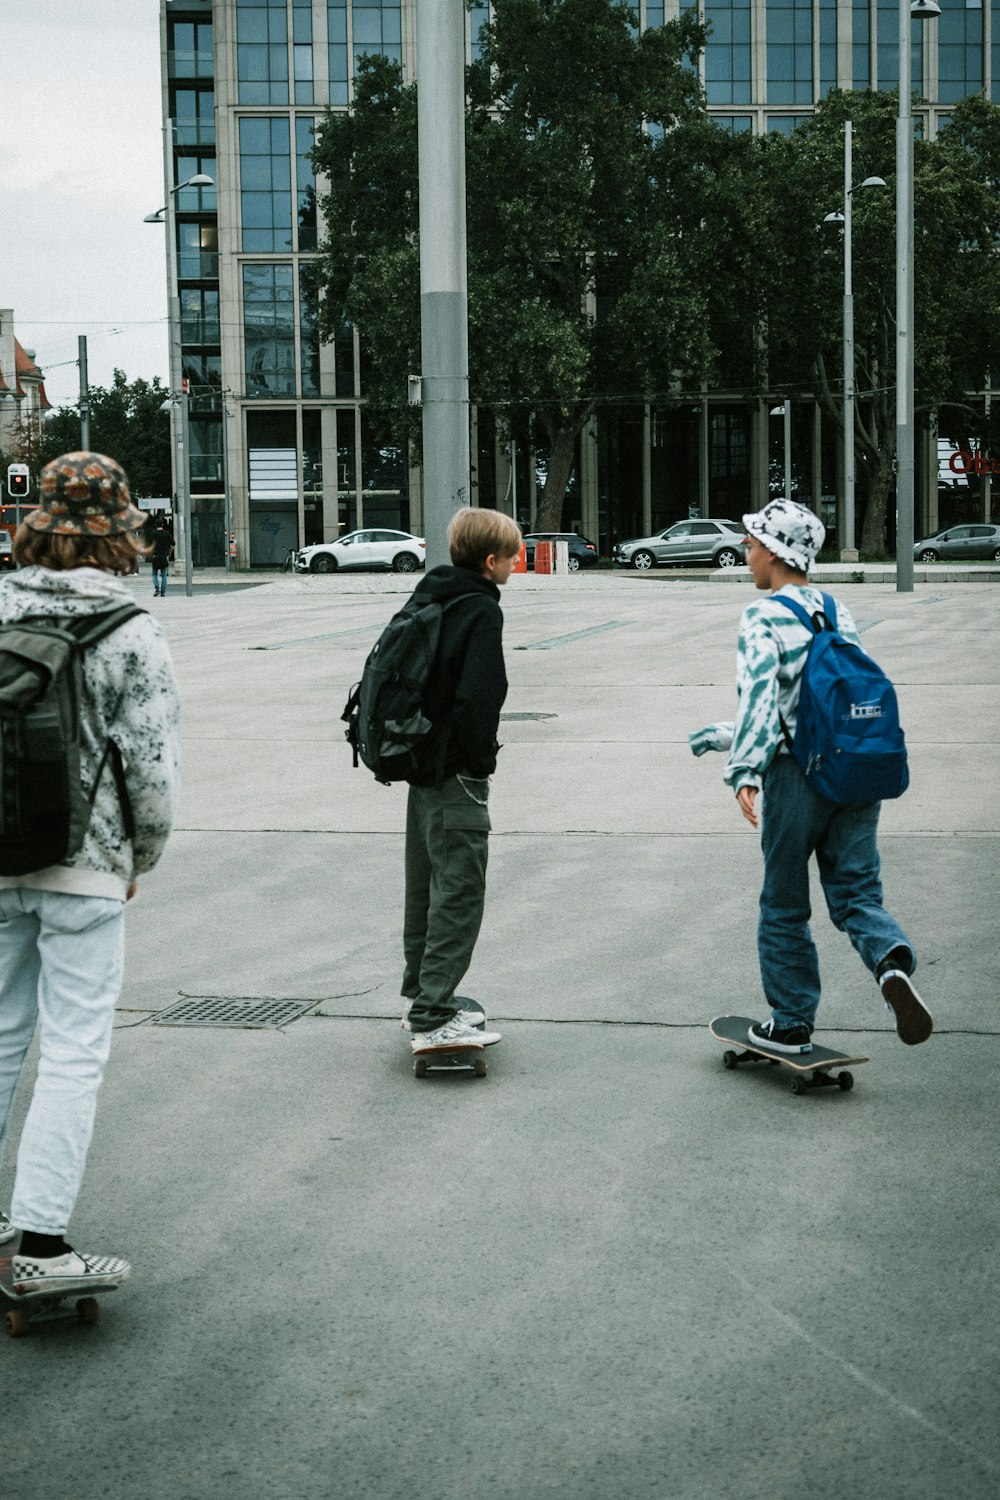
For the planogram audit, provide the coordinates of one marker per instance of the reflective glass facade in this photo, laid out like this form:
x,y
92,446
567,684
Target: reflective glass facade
x,y
244,82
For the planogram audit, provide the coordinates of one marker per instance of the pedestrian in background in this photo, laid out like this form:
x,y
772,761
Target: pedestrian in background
x,y
163,551
62,927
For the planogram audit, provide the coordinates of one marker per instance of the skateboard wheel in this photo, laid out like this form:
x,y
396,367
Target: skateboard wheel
x,y
88,1310
481,1067
846,1081
18,1322
799,1086
729,1059
420,1067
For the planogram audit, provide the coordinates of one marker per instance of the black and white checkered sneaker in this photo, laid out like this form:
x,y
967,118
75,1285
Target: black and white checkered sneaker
x,y
71,1272
7,1230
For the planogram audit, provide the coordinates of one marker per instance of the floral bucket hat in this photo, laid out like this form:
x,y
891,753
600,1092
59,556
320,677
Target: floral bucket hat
x,y
84,494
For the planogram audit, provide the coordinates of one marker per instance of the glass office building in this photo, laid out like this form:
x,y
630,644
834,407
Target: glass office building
x,y
279,448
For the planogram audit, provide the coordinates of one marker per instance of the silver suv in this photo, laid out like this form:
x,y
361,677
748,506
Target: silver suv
x,y
718,543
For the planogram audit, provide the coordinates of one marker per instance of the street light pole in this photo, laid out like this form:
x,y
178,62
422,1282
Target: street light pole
x,y
908,12
444,306
178,403
848,548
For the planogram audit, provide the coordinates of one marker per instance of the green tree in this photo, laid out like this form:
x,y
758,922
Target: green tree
x,y
956,273
126,423
577,287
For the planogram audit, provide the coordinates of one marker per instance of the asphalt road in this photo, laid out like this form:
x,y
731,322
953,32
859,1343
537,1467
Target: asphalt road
x,y
611,1270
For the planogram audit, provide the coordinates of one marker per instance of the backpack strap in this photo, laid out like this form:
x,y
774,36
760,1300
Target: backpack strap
x,y
87,631
815,623
825,619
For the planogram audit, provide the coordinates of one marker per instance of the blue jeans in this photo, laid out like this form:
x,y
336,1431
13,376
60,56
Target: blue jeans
x,y
159,578
796,824
61,969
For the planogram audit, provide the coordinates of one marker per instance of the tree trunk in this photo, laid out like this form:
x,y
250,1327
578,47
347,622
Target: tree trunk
x,y
873,533
561,431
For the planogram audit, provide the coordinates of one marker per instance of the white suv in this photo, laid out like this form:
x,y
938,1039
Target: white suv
x,y
375,547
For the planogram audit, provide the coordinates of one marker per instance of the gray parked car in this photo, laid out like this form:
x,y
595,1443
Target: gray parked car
x,y
960,541
718,543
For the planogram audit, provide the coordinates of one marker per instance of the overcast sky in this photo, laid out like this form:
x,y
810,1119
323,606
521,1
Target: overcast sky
x,y
81,163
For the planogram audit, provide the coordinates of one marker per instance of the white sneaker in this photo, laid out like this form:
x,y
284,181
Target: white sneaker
x,y
72,1272
470,1017
453,1037
7,1229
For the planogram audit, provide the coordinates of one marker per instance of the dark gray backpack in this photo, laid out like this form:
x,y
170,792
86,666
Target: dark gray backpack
x,y
44,809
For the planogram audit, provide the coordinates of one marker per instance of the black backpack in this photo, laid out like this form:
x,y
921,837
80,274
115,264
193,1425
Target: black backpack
x,y
387,726
44,810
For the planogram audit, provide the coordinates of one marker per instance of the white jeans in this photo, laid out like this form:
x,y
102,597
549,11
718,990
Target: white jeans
x,y
61,968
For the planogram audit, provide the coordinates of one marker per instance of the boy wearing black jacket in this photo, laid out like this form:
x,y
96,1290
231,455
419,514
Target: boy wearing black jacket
x,y
447,815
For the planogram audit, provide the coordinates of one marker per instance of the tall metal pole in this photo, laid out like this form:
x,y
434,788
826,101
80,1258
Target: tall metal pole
x,y
81,347
848,551
904,310
444,307
178,386
787,431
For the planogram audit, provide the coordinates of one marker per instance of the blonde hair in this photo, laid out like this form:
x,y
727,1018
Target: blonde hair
x,y
475,534
61,551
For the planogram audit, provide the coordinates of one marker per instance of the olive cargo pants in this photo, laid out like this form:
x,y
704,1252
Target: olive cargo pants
x,y
447,834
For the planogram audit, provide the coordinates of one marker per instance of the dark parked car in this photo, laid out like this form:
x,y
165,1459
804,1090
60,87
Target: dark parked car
x,y
718,543
958,542
582,554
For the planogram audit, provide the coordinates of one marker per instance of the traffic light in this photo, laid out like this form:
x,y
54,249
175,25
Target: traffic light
x,y
18,481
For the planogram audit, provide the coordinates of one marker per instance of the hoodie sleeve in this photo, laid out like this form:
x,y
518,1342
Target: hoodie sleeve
x,y
146,730
482,688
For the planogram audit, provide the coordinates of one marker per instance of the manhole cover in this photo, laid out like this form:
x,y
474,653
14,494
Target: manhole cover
x,y
528,716
221,1010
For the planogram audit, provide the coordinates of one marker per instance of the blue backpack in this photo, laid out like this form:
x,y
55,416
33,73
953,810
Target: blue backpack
x,y
847,735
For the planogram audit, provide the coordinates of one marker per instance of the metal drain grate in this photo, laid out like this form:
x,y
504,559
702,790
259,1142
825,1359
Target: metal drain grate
x,y
528,716
222,1010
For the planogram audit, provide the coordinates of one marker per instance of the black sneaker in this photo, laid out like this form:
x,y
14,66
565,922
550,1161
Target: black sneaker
x,y
913,1019
793,1039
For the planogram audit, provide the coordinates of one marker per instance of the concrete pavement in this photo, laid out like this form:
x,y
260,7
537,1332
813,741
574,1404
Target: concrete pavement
x,y
554,1282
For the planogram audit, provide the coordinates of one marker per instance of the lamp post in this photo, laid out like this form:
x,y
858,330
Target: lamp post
x,y
178,403
444,306
909,10
785,412
848,550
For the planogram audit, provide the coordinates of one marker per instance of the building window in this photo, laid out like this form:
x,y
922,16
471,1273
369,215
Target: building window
x,y
190,53
479,16
309,334
302,51
960,53
269,329
305,181
789,52
337,51
197,252
262,51
378,28
738,124
887,31
861,45
196,200
199,315
727,56
194,117
995,50
785,124
265,183
827,46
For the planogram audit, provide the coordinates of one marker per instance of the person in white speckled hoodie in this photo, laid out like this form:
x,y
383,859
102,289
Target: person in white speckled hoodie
x,y
62,928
